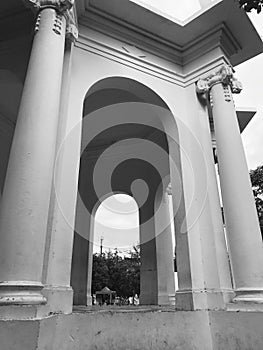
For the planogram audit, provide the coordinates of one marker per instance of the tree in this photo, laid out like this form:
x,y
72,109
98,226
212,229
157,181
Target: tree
x,y
249,5
121,274
100,273
256,177
132,267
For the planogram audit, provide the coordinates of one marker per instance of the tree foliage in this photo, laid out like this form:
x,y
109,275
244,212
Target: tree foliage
x,y
256,177
121,274
249,5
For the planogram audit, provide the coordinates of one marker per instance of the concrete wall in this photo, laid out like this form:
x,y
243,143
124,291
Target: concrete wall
x,y
147,329
237,330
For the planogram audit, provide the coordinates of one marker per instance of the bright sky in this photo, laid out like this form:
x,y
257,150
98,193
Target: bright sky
x,y
250,74
117,219
184,9
178,9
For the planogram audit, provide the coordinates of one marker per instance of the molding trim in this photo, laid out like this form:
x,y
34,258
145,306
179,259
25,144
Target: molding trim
x,y
125,58
162,59
64,8
61,6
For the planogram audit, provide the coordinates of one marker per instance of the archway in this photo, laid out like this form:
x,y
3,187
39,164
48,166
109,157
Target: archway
x,y
130,144
116,259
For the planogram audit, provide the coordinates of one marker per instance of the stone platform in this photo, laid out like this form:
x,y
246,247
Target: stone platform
x,y
136,329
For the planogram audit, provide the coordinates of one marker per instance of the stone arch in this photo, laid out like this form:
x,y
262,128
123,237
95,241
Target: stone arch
x,y
92,231
158,127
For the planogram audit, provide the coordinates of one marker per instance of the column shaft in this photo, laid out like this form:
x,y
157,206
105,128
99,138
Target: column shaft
x,y
26,195
214,211
242,226
148,271
164,253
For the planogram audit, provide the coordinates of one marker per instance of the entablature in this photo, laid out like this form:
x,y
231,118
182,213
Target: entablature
x,y
157,29
178,52
177,64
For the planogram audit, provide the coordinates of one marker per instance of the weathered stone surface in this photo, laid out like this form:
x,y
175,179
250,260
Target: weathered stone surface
x,y
143,329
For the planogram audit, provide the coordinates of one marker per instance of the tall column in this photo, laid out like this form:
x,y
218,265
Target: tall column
x,y
242,226
26,195
164,252
60,232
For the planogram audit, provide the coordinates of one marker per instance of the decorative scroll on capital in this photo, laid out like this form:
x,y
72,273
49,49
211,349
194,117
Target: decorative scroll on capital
x,y
59,5
63,8
169,190
71,29
223,76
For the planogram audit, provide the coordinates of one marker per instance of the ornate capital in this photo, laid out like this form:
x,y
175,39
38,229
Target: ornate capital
x,y
169,190
223,76
72,29
59,5
62,7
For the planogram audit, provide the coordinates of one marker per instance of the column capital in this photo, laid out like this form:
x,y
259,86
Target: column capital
x,y
224,75
59,5
63,7
169,190
72,28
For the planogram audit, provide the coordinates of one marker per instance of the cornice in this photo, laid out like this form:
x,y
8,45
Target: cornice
x,y
80,7
130,48
120,30
219,36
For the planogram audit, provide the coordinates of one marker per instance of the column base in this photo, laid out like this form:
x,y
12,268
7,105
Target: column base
x,y
203,299
244,307
89,300
246,295
247,300
172,299
163,299
148,299
166,299
59,300
19,312
21,293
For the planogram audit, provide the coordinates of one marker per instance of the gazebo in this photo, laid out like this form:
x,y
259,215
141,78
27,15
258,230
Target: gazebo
x,y
105,296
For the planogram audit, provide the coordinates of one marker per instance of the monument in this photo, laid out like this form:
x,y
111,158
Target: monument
x,y
101,97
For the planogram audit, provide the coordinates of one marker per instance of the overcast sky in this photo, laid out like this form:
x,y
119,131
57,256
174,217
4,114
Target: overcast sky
x,y
120,227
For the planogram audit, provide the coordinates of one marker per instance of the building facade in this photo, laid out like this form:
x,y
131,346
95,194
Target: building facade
x,y
103,97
